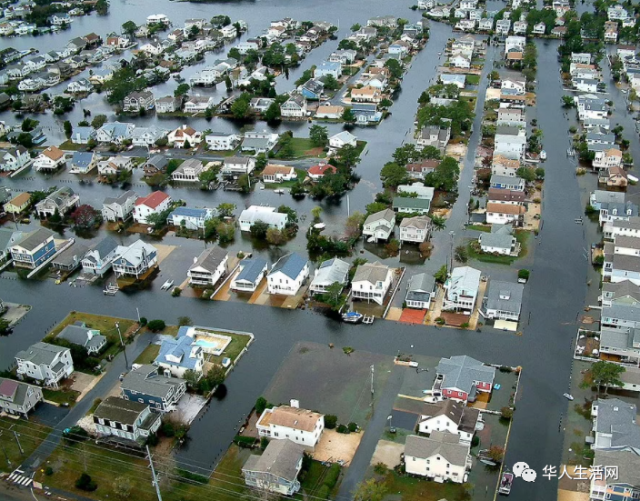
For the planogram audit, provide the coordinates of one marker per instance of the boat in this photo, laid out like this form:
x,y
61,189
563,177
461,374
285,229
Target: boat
x,y
111,290
505,483
568,396
320,226
368,320
279,191
352,317
167,285
488,462
543,155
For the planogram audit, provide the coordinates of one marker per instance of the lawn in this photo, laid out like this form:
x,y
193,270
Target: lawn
x,y
479,227
312,481
522,237
415,489
61,396
301,175
473,79
148,355
69,146
106,326
30,435
237,344
302,147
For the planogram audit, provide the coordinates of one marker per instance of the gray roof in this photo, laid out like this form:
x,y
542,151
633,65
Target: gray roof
x,y
624,262
618,418
119,410
627,242
104,247
158,161
121,199
371,272
331,271
82,158
35,238
621,311
78,334
41,353
237,160
251,269
8,238
71,255
291,265
210,259
421,287
387,215
504,296
632,224
601,196
14,391
509,180
439,443
146,380
508,130
501,237
617,338
280,459
421,222
626,209
622,289
461,371
628,464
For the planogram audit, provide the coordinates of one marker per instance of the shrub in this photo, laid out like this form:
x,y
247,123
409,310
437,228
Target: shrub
x,y
244,442
168,430
264,441
143,321
464,325
207,294
176,292
330,421
475,441
505,368
353,427
48,471
199,479
153,440
342,429
523,274
506,413
156,325
261,405
85,483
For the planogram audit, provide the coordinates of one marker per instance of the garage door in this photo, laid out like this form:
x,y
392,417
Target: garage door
x,y
505,325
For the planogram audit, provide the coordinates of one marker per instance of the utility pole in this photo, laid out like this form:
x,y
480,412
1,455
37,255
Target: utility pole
x,y
15,434
138,312
372,372
126,362
451,234
153,473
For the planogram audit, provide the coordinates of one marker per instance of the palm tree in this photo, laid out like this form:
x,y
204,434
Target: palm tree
x,y
438,222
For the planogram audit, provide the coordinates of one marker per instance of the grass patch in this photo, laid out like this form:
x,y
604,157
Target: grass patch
x,y
473,79
237,344
61,396
302,147
30,434
415,489
69,146
479,227
301,175
313,480
148,355
522,237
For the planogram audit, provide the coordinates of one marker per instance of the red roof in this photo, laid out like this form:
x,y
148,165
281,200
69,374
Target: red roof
x,y
321,169
8,388
153,200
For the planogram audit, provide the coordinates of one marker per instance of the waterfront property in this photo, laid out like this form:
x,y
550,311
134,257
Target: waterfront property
x,y
267,215
277,469
449,416
121,421
462,289
90,339
44,362
503,300
252,271
289,422
161,392
190,219
99,259
371,282
420,291
288,275
135,260
155,203
181,354
440,457
380,225
208,268
415,229
119,208
34,249
328,273
18,398
49,160
61,201
461,378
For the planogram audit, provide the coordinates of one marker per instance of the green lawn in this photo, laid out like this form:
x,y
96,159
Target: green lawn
x,y
522,237
479,227
61,396
148,355
473,79
30,435
415,489
69,146
301,175
302,147
237,344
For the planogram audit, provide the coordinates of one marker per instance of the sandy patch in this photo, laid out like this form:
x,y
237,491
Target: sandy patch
x,y
164,251
394,313
83,383
492,94
564,495
457,151
334,446
86,422
387,453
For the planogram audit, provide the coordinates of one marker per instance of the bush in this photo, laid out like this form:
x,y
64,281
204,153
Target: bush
x,y
199,479
342,429
156,325
176,292
523,274
330,421
475,441
48,471
85,483
153,440
264,441
168,429
143,321
261,405
207,294
506,413
244,442
353,427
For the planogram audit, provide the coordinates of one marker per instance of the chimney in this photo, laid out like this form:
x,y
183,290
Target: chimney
x,y
294,403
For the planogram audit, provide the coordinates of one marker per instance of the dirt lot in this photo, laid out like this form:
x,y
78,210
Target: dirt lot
x,y
334,446
164,251
83,383
388,453
492,94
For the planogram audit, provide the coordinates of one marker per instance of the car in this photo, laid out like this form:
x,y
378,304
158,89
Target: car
x,y
122,375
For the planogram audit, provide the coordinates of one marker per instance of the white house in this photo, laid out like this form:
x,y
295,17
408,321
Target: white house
x,y
221,141
50,159
415,229
188,171
45,362
327,68
294,107
372,282
420,291
209,267
13,159
154,203
100,258
288,275
125,419
184,136
268,215
462,289
330,272
274,173
235,166
451,417
291,423
341,139
503,301
17,397
499,241
440,457
251,273
276,469
190,219
147,136
379,226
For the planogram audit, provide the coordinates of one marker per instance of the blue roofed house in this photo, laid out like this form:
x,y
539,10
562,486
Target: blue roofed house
x,y
83,162
191,219
34,249
90,339
514,183
209,267
252,271
114,132
145,385
288,275
82,135
327,68
181,354
331,271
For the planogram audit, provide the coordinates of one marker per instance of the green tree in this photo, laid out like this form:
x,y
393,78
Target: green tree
x,y
333,296
568,102
184,321
276,237
261,161
129,28
259,230
315,212
226,209
228,83
98,121
244,183
122,487
356,27
292,215
226,232
370,490
330,82
526,173
393,175
272,114
445,175
460,254
156,325
438,222
606,374
441,274
68,128
394,67
319,135
353,225
349,155
240,107
348,116
159,219
181,90
261,405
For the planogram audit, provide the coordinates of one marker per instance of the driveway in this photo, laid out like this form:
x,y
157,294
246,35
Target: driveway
x,y
387,453
334,446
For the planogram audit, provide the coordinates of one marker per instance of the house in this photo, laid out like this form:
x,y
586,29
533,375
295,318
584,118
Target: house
x,y
90,339
625,292
294,107
13,159
380,225
612,211
288,275
317,172
383,21
462,289
343,56
50,159
181,354
154,203
400,48
184,137
329,111
256,213
453,79
330,272
417,170
18,204
99,259
18,398
499,241
114,132
504,167
168,104
509,145
328,68
82,135
590,106
440,457
69,259
585,84
235,166
273,173
261,104
503,301
366,113
485,24
516,84
312,90
143,384
371,282
259,142
62,201
617,13
600,136
209,267
513,183
498,213
147,136
451,417
46,363
606,158
155,165
198,104
433,135
135,260
415,229
624,484
139,101
520,28
34,249
420,291
599,197
188,171
367,94
222,141
410,205
125,420
291,423
8,238
83,162
461,378
615,177
460,61
514,117
614,426
276,469
190,219
252,271
342,139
